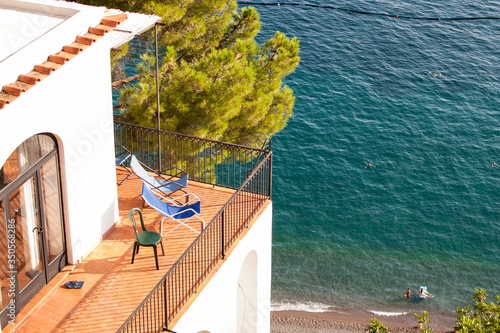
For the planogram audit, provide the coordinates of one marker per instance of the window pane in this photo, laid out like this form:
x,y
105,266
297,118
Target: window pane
x,y
52,204
27,154
9,171
24,211
7,289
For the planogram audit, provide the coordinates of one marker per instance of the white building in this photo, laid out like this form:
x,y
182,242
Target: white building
x,y
58,192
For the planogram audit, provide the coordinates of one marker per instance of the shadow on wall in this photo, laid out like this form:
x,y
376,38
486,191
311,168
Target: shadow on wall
x,y
108,218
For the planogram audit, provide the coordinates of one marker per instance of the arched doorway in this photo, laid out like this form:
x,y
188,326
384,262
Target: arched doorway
x,y
247,295
32,243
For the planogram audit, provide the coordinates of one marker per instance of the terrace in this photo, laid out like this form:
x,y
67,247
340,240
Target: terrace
x,y
233,184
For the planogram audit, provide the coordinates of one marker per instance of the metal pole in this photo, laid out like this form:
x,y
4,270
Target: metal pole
x,y
158,92
157,96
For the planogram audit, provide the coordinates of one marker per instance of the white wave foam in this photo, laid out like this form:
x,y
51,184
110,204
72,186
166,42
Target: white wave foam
x,y
386,313
306,306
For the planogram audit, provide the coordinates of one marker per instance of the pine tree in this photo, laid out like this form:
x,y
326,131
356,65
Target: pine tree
x,y
215,79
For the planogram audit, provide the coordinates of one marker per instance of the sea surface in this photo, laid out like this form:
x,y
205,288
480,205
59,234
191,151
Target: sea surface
x,y
418,99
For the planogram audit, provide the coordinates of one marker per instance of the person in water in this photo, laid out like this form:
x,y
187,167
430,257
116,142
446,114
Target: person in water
x,y
407,293
494,164
424,293
369,165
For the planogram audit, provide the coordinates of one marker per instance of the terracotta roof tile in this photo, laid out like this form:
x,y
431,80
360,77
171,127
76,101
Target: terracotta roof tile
x,y
12,91
94,37
21,85
110,23
58,59
81,46
6,98
44,69
52,65
37,74
66,55
118,17
29,79
106,28
84,40
73,49
98,31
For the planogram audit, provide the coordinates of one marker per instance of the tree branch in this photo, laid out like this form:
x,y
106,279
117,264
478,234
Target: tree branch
x,y
118,83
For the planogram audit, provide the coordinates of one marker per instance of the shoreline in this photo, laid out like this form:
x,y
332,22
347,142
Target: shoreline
x,y
353,321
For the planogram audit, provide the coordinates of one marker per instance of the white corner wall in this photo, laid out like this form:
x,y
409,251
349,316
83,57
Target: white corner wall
x,y
74,103
219,307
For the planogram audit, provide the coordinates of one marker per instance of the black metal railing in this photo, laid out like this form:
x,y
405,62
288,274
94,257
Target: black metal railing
x,y
207,161
183,279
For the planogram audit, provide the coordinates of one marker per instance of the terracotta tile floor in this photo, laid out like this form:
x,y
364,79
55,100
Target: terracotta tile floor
x,y
113,286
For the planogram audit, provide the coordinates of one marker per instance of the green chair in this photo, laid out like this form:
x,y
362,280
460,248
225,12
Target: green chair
x,y
144,238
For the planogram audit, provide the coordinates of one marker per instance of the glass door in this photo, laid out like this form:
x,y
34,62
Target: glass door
x,y
32,242
53,230
25,219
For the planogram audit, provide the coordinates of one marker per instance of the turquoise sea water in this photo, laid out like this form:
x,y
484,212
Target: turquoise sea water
x,y
421,101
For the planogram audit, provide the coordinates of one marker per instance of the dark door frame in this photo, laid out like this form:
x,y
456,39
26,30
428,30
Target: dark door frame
x,y
50,269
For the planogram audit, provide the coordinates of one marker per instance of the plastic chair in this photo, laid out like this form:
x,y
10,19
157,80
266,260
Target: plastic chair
x,y
144,238
184,212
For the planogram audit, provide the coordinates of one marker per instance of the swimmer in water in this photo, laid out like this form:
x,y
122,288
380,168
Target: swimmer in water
x,y
424,293
407,293
494,164
369,165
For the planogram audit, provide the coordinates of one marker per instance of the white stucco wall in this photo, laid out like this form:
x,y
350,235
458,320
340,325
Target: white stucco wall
x,y
32,48
75,104
216,309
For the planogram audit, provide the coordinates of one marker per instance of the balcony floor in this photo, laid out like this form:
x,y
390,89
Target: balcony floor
x,y
113,286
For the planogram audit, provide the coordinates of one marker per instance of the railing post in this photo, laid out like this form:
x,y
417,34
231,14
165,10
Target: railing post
x,y
165,303
270,173
222,234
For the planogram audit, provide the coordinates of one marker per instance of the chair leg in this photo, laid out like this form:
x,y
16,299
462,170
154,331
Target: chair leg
x,y
156,257
133,252
137,248
129,174
162,250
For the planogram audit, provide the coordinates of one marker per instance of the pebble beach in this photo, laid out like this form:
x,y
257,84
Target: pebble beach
x,y
352,322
